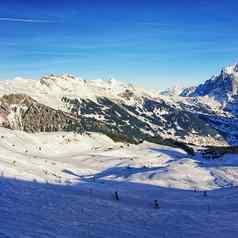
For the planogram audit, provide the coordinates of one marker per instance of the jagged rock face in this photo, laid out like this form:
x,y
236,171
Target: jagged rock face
x,y
187,91
222,87
12,106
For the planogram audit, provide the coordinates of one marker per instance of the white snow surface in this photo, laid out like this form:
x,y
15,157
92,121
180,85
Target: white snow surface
x,y
50,89
62,185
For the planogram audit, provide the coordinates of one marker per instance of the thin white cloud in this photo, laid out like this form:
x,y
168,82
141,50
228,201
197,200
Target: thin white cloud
x,y
24,20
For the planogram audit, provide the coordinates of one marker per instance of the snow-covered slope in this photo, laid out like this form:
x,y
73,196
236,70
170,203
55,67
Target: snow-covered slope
x,y
63,185
47,156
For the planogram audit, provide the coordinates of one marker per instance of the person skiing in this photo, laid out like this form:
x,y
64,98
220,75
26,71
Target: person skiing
x,y
156,204
116,196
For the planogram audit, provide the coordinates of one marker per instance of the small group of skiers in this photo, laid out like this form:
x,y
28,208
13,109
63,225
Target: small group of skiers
x,y
156,204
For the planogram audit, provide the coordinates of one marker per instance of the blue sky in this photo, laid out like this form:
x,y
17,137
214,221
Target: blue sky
x,y
156,44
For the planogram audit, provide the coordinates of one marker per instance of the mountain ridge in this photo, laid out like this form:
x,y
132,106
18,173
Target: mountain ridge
x,y
119,109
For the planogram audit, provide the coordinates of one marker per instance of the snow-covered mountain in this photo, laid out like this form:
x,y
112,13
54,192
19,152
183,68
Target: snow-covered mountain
x,y
205,115
56,103
222,87
51,88
63,183
174,91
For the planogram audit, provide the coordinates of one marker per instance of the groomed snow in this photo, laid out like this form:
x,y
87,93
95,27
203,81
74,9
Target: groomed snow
x,y
62,185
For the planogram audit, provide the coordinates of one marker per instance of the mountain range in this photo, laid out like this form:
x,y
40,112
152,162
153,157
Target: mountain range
x,y
202,115
103,158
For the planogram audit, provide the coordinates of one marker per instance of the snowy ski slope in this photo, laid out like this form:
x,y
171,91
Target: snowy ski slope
x,y
63,185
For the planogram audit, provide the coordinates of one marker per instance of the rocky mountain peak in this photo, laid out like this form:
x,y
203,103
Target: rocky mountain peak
x,y
222,87
230,70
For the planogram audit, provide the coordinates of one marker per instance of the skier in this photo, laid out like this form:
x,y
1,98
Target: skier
x,y
116,196
156,204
